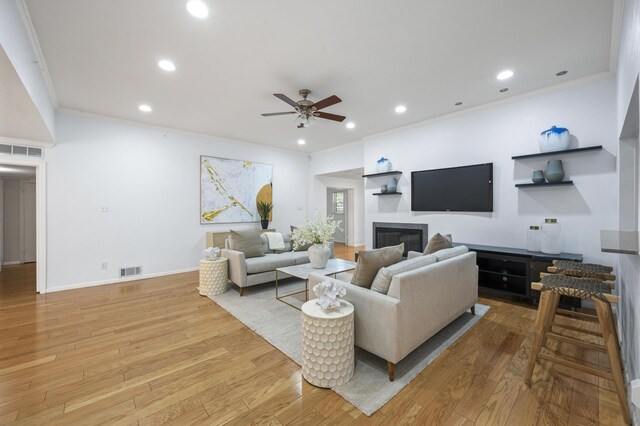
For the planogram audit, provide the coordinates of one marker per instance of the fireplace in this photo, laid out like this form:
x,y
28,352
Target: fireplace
x,y
413,235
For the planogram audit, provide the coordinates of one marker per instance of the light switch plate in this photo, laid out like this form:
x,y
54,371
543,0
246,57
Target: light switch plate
x,y
635,392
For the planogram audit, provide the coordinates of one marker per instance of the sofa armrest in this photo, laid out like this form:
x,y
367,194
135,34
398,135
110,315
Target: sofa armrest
x,y
237,266
413,254
376,317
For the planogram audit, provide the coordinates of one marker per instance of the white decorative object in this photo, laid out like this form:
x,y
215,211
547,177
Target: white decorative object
x,y
328,294
214,276
211,253
383,165
327,344
319,255
551,237
555,139
533,238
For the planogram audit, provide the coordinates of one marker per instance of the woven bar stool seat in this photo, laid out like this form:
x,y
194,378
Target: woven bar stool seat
x,y
564,281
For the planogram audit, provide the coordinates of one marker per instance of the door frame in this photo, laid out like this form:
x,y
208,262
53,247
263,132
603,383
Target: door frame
x,y
1,222
41,215
22,214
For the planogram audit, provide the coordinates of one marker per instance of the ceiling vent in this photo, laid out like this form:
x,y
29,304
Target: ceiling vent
x,y
130,271
25,151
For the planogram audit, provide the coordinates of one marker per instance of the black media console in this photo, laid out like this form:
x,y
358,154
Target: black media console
x,y
510,271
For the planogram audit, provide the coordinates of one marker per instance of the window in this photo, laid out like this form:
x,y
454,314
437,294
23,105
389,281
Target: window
x,y
338,203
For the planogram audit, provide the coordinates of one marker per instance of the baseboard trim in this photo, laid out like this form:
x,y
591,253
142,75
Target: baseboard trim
x,y
11,262
119,281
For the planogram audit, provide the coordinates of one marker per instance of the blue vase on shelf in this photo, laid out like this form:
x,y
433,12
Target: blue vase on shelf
x,y
392,185
383,165
554,172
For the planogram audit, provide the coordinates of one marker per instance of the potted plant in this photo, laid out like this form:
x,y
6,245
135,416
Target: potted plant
x,y
264,210
317,232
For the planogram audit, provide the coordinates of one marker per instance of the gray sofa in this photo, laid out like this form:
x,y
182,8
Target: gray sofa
x,y
258,270
419,303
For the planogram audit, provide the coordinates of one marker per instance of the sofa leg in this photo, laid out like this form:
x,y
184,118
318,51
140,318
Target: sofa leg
x,y
392,371
241,291
473,310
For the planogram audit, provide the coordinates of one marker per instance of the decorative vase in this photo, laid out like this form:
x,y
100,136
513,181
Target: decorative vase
x,y
554,172
537,176
551,237
319,256
392,185
383,165
264,224
533,238
384,189
555,139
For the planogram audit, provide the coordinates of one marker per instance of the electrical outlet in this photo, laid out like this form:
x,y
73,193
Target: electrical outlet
x,y
103,265
635,392
105,209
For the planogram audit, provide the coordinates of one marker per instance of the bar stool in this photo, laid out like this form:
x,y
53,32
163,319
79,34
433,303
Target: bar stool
x,y
551,287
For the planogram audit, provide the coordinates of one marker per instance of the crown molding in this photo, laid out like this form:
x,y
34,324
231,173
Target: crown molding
x,y
37,50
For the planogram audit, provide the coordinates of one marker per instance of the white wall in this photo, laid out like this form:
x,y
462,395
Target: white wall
x,y
11,232
149,179
319,201
493,134
628,70
15,40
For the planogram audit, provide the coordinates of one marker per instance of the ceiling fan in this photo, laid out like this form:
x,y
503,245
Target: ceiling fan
x,y
307,110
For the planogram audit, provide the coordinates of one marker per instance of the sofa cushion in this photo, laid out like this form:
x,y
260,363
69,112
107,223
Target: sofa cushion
x,y
300,257
267,249
248,242
450,252
370,262
438,242
382,281
268,262
301,248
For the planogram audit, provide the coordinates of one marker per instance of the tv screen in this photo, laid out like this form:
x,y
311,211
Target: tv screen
x,y
455,189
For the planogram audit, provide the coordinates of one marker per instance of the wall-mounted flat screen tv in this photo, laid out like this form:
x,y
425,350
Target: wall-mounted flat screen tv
x,y
455,189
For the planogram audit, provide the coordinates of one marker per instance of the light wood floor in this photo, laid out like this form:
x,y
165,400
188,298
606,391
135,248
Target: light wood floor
x,y
155,352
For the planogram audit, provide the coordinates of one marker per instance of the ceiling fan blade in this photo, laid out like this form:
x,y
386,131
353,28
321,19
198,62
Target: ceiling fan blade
x,y
331,100
328,116
270,114
286,99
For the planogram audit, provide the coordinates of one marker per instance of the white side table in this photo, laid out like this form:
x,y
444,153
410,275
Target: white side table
x,y
213,276
327,344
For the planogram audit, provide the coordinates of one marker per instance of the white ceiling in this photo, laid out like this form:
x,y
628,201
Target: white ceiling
x,y
355,174
374,54
8,171
19,117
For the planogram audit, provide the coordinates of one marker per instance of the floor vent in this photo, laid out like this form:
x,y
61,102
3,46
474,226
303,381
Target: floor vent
x,y
132,270
25,151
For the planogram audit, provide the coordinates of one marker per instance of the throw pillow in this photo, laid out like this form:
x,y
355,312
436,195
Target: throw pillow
x,y
248,242
370,262
302,248
382,281
437,243
450,252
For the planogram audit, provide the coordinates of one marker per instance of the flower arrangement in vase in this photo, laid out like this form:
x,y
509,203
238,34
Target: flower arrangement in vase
x,y
319,233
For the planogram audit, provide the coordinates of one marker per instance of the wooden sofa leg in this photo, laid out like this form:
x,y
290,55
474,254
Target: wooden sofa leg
x,y
473,310
392,371
241,291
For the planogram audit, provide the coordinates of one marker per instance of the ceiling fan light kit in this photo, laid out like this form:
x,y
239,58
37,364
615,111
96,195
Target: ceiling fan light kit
x,y
307,110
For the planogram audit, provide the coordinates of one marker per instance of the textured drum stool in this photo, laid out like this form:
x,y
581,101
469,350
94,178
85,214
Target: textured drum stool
x,y
213,276
327,344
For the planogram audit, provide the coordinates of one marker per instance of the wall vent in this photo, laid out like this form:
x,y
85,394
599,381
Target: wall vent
x,y
132,270
25,151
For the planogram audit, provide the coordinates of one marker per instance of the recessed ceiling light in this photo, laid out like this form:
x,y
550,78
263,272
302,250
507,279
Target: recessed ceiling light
x,y
301,141
561,73
350,125
458,103
144,108
400,109
167,65
198,8
506,89
505,75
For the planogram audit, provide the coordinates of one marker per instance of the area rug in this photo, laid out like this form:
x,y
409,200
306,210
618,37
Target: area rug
x,y
370,388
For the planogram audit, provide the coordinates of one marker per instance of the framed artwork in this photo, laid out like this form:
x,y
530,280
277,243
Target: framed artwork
x,y
230,189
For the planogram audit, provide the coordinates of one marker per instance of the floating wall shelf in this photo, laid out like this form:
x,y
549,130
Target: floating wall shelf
x,y
564,182
387,193
373,175
567,151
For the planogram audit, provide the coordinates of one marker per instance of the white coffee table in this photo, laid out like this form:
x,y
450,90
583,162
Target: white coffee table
x,y
327,344
334,267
